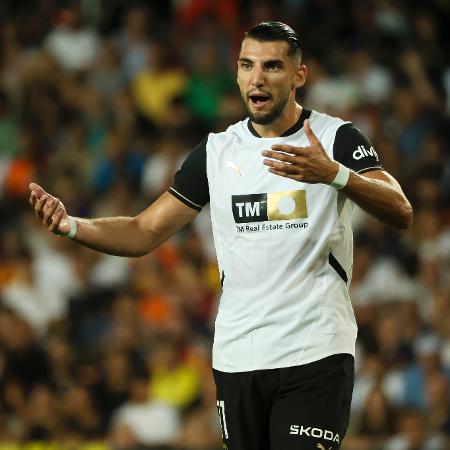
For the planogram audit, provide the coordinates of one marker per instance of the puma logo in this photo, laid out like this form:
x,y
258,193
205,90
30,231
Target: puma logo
x,y
321,447
232,165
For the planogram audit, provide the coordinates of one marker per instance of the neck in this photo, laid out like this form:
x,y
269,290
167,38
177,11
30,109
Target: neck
x,y
287,119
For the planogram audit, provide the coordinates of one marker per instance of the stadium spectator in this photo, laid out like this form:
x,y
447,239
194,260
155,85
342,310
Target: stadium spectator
x,y
152,422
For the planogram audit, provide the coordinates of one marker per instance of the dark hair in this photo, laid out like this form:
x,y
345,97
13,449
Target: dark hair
x,y
277,31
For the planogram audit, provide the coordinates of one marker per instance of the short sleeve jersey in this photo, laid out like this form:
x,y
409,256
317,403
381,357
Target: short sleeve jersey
x,y
284,247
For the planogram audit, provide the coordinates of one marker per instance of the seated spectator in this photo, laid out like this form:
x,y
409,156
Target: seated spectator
x,y
156,86
73,46
81,418
208,85
150,422
413,434
375,425
35,304
437,396
172,380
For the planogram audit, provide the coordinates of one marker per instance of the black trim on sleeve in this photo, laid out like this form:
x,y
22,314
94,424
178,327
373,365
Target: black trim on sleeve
x,y
305,114
369,169
334,263
190,183
184,199
354,150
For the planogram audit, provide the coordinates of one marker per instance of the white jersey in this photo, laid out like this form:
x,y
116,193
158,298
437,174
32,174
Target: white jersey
x,y
284,247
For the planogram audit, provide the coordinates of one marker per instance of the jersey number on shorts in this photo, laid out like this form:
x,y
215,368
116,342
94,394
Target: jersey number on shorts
x,y
223,422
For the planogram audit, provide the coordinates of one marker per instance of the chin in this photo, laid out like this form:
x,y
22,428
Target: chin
x,y
262,118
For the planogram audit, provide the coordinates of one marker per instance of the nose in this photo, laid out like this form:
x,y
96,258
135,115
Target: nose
x,y
257,76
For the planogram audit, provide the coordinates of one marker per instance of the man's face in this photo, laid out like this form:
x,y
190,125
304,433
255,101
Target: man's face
x,y
267,77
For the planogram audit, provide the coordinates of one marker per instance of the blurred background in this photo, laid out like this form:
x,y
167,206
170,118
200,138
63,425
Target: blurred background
x,y
100,101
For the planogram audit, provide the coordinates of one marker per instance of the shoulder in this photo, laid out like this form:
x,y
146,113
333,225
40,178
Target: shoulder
x,y
237,132
325,122
325,126
355,150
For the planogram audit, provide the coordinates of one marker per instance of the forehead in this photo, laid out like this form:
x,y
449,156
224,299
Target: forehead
x,y
270,50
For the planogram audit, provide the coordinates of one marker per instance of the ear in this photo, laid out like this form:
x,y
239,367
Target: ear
x,y
300,76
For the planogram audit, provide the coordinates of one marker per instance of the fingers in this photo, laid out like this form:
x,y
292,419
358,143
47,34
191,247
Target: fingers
x,y
39,204
313,139
281,163
58,215
36,189
279,156
287,162
45,207
36,193
49,209
32,199
280,173
282,166
300,151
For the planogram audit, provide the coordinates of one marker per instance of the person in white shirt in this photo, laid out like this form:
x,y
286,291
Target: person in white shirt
x,y
152,422
281,186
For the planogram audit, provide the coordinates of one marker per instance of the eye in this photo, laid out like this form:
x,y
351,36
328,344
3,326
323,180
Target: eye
x,y
273,66
245,65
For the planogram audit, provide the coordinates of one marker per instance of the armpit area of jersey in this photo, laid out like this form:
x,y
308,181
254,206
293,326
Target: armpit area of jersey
x,y
190,184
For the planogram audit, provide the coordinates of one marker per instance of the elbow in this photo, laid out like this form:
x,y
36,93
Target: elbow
x,y
148,237
405,219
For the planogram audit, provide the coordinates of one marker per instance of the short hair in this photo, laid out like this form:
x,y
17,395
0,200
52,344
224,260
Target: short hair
x,y
277,31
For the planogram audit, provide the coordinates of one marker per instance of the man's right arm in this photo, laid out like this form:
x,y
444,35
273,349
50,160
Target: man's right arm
x,y
121,236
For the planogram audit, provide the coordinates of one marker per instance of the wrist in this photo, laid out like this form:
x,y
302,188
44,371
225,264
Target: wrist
x,y
332,173
341,177
73,228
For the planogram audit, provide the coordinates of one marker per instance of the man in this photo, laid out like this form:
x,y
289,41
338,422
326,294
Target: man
x,y
281,185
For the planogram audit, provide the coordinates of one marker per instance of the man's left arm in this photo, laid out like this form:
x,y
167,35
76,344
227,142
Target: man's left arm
x,y
373,189
378,193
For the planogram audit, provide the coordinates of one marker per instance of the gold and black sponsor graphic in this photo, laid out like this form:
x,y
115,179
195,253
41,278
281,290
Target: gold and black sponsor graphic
x,y
271,206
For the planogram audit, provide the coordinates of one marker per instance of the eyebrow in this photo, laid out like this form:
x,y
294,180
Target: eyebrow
x,y
269,61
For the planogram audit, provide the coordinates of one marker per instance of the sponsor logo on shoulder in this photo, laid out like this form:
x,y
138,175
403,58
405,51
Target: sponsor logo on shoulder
x,y
318,433
362,152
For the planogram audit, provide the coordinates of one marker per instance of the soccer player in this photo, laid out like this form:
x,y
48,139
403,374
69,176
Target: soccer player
x,y
281,185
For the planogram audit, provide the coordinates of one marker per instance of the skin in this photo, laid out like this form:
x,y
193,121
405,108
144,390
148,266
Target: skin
x,y
266,69
121,236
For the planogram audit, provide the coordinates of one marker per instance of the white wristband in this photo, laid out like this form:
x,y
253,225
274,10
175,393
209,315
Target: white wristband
x,y
341,178
73,228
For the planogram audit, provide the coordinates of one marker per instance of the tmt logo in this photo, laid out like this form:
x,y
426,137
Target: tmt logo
x,y
249,208
272,206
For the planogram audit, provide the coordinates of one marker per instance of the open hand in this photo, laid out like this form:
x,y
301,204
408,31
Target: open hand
x,y
307,164
49,210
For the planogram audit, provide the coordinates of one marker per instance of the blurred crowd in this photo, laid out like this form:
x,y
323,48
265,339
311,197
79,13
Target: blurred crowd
x,y
100,101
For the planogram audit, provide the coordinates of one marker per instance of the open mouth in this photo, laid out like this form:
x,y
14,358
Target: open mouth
x,y
259,99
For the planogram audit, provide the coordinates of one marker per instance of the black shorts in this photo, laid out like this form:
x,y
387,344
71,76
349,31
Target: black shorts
x,y
301,407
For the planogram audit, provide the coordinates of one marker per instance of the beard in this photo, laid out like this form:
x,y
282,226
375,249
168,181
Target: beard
x,y
266,117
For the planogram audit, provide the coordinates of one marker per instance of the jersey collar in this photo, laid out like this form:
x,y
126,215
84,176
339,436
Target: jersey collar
x,y
297,126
